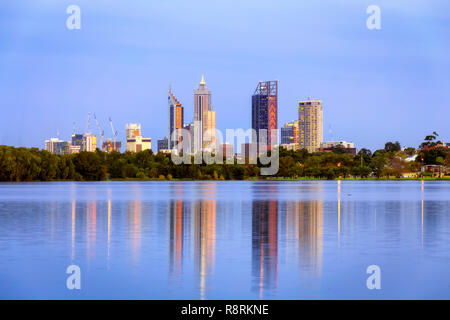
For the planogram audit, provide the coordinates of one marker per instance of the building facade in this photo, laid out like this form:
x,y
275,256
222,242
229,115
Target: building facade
x,y
265,113
204,119
310,118
163,144
331,146
89,143
289,133
109,145
176,120
134,140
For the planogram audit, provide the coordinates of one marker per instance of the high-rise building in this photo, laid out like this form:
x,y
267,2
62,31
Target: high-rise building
x,y
190,135
89,143
135,141
77,140
204,119
310,117
56,146
265,113
176,118
163,144
289,133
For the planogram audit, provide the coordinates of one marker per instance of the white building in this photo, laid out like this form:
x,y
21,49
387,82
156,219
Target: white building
x,y
134,140
89,142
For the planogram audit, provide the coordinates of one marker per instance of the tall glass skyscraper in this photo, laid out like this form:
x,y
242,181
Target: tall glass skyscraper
x,y
204,118
176,118
265,112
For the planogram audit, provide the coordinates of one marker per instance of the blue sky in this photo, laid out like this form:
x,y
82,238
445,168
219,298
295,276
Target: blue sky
x,y
376,85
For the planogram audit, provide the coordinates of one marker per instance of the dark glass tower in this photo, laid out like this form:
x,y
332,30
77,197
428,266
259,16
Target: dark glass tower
x,y
265,111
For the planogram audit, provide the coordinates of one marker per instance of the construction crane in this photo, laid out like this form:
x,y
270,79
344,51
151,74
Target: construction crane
x,y
114,134
100,132
89,123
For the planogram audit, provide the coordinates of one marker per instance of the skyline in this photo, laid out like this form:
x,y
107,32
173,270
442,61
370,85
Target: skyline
x,y
116,67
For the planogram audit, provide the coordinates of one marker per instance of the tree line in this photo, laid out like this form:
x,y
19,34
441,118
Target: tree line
x,y
32,164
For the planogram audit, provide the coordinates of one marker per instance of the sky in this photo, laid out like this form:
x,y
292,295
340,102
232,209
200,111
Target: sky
x,y
376,85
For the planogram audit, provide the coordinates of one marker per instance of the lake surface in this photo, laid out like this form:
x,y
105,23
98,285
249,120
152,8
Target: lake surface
x,y
225,240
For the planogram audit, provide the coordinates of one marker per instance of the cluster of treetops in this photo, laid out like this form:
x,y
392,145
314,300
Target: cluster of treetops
x,y
32,164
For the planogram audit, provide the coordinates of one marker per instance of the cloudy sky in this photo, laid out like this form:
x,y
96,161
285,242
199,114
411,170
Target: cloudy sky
x,y
376,85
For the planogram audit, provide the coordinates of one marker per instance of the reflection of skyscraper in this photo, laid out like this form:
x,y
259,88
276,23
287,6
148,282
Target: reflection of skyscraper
x,y
204,118
91,227
176,118
265,111
134,226
310,233
176,230
264,245
205,240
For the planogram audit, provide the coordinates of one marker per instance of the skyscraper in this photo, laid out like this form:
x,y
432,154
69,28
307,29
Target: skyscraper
x,y
289,133
310,117
176,118
265,112
204,118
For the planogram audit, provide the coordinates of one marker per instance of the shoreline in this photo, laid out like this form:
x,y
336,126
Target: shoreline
x,y
249,179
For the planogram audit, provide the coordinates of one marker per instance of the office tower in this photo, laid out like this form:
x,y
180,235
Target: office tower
x,y
204,118
77,140
89,143
134,140
176,118
265,113
310,117
190,141
56,146
289,134
53,145
163,144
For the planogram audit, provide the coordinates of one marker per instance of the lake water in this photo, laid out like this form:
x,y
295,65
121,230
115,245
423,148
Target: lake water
x,y
225,240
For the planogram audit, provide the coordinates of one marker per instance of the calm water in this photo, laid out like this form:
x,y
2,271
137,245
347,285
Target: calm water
x,y
225,240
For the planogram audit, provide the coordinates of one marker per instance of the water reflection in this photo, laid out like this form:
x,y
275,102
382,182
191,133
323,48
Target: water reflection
x,y
205,239
177,220
264,246
229,240
133,210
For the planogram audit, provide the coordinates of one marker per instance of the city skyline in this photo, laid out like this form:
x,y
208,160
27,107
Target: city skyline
x,y
52,76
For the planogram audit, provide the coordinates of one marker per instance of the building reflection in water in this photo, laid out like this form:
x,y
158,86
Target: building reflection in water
x,y
73,228
204,217
310,235
302,223
265,243
177,216
91,227
339,213
134,215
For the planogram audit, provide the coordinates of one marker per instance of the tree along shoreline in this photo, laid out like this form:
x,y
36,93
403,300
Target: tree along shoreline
x,y
281,179
32,164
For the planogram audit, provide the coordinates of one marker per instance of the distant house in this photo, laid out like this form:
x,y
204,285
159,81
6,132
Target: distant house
x,y
436,170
